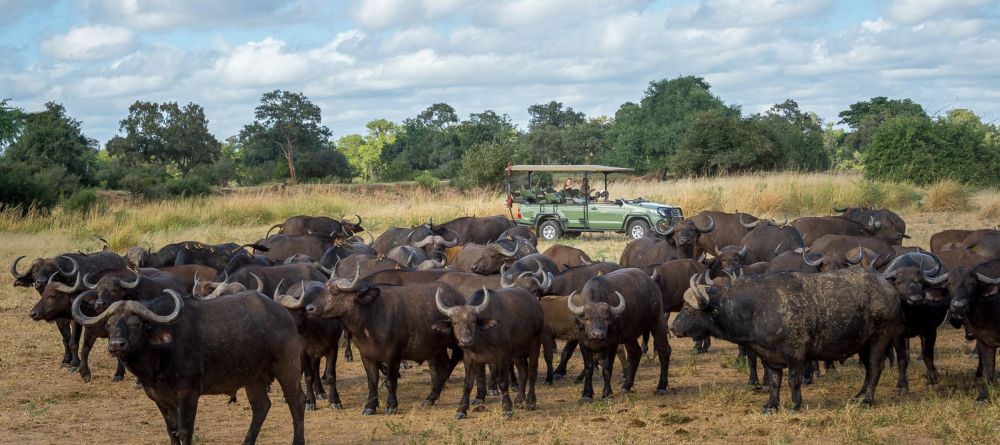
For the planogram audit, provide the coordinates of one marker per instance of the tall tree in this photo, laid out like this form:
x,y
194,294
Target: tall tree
x,y
865,117
285,122
52,139
553,114
166,135
797,135
11,124
364,153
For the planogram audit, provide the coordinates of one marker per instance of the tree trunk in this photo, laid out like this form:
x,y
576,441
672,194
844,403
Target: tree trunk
x,y
291,159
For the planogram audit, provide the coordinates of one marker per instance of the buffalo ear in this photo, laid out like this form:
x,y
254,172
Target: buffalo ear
x,y
441,326
367,295
990,290
486,324
160,338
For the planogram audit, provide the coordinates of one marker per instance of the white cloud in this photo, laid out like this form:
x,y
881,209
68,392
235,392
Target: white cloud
x,y
13,10
759,12
89,43
916,11
263,63
164,14
876,26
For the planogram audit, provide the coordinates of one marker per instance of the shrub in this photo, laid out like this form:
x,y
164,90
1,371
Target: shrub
x,y
483,166
990,211
947,196
19,187
427,181
81,201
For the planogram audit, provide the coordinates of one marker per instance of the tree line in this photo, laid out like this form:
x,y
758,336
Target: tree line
x,y
678,128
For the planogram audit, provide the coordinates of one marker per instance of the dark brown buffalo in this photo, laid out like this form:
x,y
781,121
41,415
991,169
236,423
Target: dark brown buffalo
x,y
533,272
685,234
974,303
648,250
814,227
477,230
730,259
616,309
467,282
832,252
767,240
567,257
279,247
791,319
265,279
144,284
960,257
672,279
180,350
888,226
790,262
920,285
984,243
390,324
368,263
523,232
498,328
728,231
392,237
433,240
948,239
398,277
320,339
484,260
188,274
317,225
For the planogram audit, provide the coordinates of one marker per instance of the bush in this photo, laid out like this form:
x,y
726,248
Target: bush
x,y
427,181
718,143
20,187
483,166
81,201
947,196
990,210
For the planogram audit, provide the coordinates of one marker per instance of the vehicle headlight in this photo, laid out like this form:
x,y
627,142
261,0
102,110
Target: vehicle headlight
x,y
675,212
663,211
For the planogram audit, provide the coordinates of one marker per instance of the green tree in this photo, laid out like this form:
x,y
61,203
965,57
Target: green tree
x,y
52,144
718,143
285,122
552,114
364,153
166,135
645,135
483,166
796,134
865,117
11,124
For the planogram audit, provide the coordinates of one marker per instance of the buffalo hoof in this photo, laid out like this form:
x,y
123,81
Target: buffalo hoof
x,y
529,407
586,399
117,378
368,411
982,402
867,403
508,414
138,386
478,402
548,382
73,369
935,388
558,376
460,416
902,391
768,410
405,365
336,405
320,396
232,400
625,390
492,393
661,392
64,365
479,408
427,403
85,375
311,406
389,411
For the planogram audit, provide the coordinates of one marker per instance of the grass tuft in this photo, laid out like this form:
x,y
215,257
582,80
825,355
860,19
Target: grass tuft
x,y
947,196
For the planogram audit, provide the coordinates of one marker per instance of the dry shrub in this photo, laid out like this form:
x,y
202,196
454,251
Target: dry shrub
x,y
947,196
990,210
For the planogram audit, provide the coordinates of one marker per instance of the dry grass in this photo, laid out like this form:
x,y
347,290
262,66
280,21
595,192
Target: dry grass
x,y
709,402
947,196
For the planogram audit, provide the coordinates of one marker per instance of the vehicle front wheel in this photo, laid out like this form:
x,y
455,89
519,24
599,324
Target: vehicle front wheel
x,y
637,229
549,230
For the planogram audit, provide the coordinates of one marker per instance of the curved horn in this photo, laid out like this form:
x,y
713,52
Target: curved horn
x,y
574,309
669,231
655,274
938,279
503,277
502,251
409,259
291,302
486,301
700,292
893,273
748,225
131,285
196,281
359,220
717,251
277,290
711,225
145,313
839,209
584,261
457,237
743,251
693,281
343,284
985,279
76,266
68,289
260,284
815,263
445,310
90,321
429,239
617,310
87,282
708,277
13,269
701,258
857,259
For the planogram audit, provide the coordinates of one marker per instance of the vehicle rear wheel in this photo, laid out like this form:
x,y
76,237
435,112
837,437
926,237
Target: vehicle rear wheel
x,y
549,230
637,229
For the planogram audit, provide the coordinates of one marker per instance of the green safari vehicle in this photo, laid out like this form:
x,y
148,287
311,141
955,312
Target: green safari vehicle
x,y
578,207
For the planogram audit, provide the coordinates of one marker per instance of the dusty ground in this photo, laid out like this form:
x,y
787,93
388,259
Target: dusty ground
x,y
708,402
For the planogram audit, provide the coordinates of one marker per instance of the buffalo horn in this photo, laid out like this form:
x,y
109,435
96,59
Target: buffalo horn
x,y
583,260
617,310
13,268
145,313
502,251
748,225
576,310
291,302
486,301
76,266
344,284
86,320
711,225
130,285
814,263
985,279
708,277
69,289
839,209
445,310
743,251
857,258
260,284
937,279
87,282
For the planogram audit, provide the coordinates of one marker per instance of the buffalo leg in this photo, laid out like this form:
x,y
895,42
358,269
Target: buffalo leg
x,y
608,366
634,356
927,342
186,413
548,350
88,343
520,363
287,375
372,372
119,372
564,357
645,342
480,371
348,353
492,384
471,371
873,359
65,333
774,400
317,379
754,379
391,382
331,377
310,378
988,360
503,382
902,346
795,378
662,346
260,404
588,375
439,375
170,419
532,376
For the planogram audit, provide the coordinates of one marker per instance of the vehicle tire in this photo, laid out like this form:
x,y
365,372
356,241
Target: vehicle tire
x,y
637,229
549,230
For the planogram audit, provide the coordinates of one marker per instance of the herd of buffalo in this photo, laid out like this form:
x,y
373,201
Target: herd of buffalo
x,y
192,319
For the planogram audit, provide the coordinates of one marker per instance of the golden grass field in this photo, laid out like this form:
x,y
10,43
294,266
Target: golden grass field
x,y
708,402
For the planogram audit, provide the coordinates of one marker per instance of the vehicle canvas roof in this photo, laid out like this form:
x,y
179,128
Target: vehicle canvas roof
x,y
569,168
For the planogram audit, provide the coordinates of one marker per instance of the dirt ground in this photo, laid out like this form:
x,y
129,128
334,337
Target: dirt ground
x,y
709,401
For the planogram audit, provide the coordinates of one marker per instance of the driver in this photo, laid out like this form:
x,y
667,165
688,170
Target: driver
x,y
568,184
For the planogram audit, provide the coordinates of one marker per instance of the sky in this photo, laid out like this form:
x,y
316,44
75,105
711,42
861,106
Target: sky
x,y
370,59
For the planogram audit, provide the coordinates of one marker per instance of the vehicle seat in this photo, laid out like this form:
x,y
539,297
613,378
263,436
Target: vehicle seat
x,y
553,197
528,196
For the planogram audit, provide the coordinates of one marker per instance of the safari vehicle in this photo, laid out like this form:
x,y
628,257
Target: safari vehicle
x,y
573,210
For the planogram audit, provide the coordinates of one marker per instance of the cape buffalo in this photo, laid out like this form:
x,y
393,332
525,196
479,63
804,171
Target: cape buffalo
x,y
974,302
317,225
888,226
767,240
477,230
728,231
814,227
566,257
648,250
